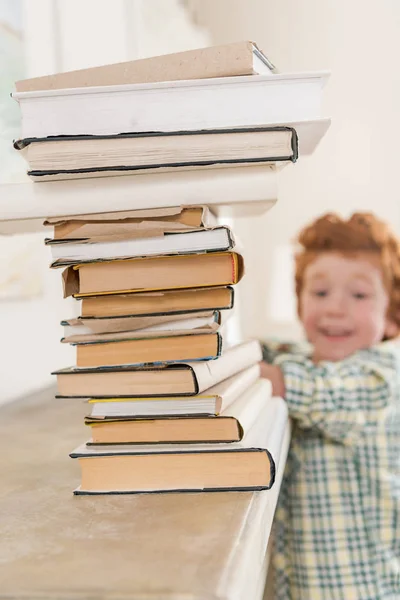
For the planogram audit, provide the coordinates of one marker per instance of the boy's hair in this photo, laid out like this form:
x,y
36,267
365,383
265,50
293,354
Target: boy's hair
x,y
363,232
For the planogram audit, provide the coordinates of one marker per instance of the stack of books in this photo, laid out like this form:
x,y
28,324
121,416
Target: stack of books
x,y
192,110
171,407
151,359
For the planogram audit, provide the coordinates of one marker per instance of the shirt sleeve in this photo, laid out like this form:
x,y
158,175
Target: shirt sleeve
x,y
340,400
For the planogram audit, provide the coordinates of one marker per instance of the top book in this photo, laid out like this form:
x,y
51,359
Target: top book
x,y
228,60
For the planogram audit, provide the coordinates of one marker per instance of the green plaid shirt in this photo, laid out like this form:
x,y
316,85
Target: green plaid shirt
x,y
337,525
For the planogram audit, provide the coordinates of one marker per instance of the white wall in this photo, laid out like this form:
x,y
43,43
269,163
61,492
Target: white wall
x,y
355,166
62,35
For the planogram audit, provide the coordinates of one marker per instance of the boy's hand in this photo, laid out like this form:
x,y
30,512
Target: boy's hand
x,y
275,375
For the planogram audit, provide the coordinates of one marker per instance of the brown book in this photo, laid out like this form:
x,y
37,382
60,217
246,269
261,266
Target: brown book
x,y
176,379
154,273
150,304
163,380
229,426
165,430
238,58
129,224
149,350
128,472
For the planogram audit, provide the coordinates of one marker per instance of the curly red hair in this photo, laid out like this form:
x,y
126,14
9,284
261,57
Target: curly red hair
x,y
362,234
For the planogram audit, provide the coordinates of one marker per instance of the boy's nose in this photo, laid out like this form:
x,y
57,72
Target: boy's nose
x,y
337,304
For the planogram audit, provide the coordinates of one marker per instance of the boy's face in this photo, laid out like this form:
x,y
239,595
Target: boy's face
x,y
343,305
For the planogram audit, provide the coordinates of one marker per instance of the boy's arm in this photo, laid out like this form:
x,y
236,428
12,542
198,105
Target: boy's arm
x,y
275,375
337,399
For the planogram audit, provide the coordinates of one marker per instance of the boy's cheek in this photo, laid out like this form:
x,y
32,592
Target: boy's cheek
x,y
308,323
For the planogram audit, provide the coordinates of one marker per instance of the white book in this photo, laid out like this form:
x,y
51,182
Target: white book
x,y
91,330
248,464
231,425
172,106
207,240
213,401
244,190
232,360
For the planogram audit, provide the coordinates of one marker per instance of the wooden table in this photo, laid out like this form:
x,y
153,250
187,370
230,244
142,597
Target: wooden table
x,y
54,545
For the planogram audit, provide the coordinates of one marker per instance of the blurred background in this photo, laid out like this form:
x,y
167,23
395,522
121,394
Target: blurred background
x,y
355,166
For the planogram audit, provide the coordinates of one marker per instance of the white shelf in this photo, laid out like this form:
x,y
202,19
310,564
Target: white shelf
x,y
239,191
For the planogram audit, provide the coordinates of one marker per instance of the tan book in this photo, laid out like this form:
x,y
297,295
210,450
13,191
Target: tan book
x,y
155,273
56,158
229,426
238,58
152,304
176,379
166,430
149,350
243,465
130,224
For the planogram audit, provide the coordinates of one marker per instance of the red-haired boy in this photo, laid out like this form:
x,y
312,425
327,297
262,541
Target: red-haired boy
x,y
337,529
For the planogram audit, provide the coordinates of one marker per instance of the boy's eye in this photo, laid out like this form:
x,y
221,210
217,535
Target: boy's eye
x,y
360,295
320,293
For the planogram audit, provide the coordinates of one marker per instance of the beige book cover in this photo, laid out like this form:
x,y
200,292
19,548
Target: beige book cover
x,y
217,61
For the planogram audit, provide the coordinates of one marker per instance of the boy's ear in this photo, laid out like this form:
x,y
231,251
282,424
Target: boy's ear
x,y
391,329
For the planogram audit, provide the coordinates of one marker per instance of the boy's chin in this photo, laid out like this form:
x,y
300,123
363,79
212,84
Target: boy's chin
x,y
333,354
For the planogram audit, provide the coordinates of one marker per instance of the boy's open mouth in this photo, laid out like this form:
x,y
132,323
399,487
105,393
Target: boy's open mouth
x,y
335,333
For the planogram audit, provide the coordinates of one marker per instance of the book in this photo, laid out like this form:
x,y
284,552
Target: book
x,y
79,156
161,305
150,222
209,403
247,190
230,426
214,104
87,330
150,468
144,350
218,239
153,273
206,326
238,58
176,379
